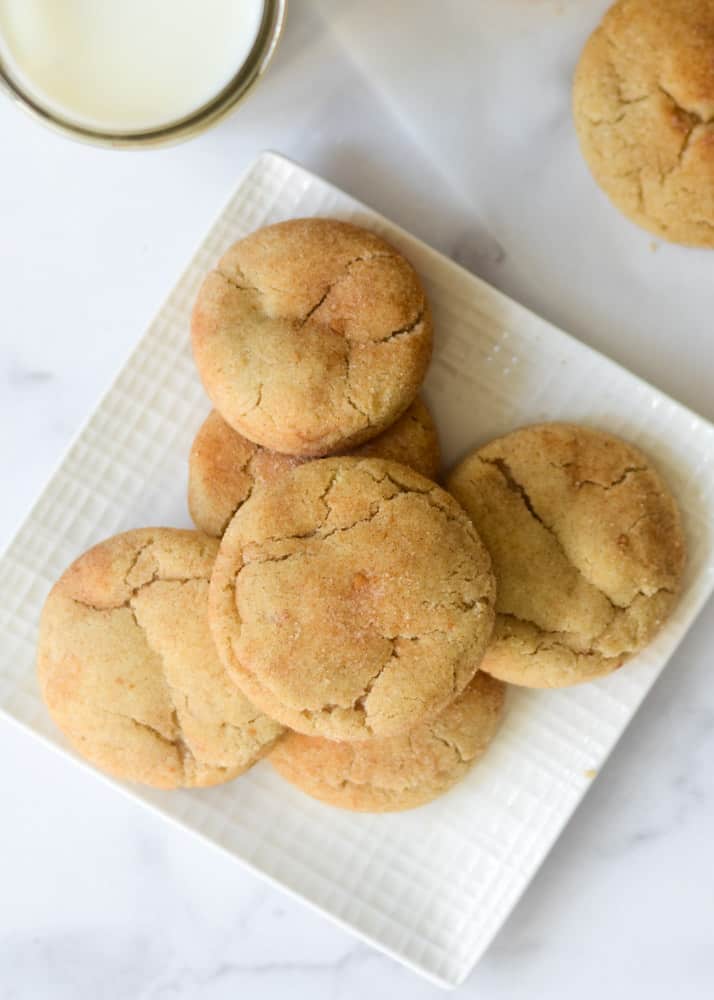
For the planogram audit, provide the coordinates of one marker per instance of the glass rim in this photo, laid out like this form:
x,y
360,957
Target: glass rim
x,y
248,73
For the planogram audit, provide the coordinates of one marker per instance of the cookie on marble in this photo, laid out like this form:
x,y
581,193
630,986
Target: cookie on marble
x,y
224,467
311,336
400,772
643,103
128,668
351,600
587,549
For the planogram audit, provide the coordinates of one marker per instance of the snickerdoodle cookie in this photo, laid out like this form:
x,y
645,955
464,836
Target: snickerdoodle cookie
x,y
351,600
311,336
587,550
644,112
403,771
224,467
128,667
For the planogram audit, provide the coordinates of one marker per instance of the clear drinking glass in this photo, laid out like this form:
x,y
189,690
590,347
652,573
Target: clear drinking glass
x,y
273,19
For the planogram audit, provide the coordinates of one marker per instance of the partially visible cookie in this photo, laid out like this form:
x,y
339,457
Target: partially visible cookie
x,y
128,668
224,467
403,771
311,336
643,103
587,549
351,600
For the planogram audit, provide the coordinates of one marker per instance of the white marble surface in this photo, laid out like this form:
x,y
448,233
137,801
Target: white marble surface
x,y
452,118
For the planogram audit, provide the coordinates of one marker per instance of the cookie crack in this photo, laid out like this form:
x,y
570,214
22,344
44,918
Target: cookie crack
x,y
229,279
403,331
135,562
314,308
457,603
636,177
648,594
625,104
429,493
336,281
515,487
683,149
136,590
374,512
386,790
399,486
185,754
255,405
238,727
324,497
347,360
548,638
300,536
695,122
694,116
628,471
621,99
348,384
157,734
549,643
359,704
615,49
450,745
648,515
246,467
315,533
139,723
459,519
529,621
415,636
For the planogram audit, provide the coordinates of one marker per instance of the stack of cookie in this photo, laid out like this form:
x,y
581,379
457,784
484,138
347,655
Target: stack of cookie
x,y
345,614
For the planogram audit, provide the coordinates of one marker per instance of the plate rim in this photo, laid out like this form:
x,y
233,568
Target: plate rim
x,y
259,164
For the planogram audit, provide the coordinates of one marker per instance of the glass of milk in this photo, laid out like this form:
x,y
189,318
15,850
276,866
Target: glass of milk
x,y
134,72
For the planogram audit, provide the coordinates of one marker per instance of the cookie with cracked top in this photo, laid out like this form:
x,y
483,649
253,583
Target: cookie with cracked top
x,y
351,600
400,772
128,669
587,547
224,467
643,102
311,336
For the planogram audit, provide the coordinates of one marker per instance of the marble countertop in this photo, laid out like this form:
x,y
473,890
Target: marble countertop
x,y
452,119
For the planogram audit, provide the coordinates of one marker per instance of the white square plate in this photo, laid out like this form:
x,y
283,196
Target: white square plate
x,y
433,886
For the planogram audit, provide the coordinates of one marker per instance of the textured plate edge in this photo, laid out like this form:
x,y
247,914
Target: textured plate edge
x,y
548,329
